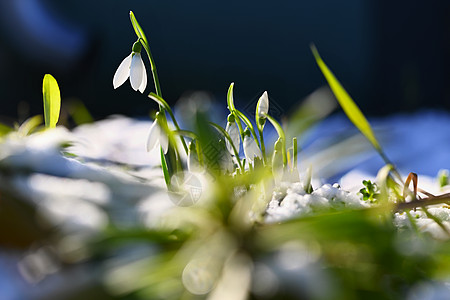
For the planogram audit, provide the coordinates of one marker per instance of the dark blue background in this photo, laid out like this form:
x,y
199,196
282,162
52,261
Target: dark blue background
x,y
389,55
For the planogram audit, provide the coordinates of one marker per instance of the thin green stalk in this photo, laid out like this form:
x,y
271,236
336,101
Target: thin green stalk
x,y
282,136
263,147
232,108
143,39
435,219
158,99
227,136
153,69
249,126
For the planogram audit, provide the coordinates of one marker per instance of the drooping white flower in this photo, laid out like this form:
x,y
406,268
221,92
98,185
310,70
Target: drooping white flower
x,y
233,132
251,149
133,67
262,108
157,136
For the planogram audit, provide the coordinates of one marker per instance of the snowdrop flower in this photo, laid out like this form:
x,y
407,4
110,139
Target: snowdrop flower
x,y
233,131
251,149
262,108
277,161
157,136
133,67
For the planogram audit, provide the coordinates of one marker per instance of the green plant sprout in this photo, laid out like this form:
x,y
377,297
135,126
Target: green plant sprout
x,y
52,101
370,191
234,134
282,163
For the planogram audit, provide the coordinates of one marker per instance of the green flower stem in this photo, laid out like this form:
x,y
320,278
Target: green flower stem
x,y
232,108
158,99
227,136
282,136
249,125
263,147
165,168
143,39
153,68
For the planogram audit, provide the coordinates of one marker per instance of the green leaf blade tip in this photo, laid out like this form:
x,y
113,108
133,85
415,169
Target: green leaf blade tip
x,y
348,105
52,101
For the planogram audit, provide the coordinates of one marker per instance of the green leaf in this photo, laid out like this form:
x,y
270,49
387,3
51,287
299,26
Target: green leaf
x,y
281,134
165,169
230,99
348,105
52,101
160,101
248,124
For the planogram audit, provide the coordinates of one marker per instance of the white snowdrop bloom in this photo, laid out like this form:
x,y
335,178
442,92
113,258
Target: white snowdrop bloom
x,y
262,108
157,136
251,149
133,67
233,131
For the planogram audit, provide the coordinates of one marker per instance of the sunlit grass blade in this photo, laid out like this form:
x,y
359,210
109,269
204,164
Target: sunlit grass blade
x,y
348,105
52,101
29,125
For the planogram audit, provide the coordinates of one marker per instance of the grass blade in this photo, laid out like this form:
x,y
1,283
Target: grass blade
x,y
348,105
52,101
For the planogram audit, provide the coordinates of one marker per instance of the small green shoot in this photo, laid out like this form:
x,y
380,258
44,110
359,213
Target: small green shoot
x,y
52,101
369,191
443,178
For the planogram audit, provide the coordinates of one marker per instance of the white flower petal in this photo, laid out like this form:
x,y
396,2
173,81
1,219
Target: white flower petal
x,y
233,131
262,108
122,72
164,141
153,136
136,71
144,79
251,149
